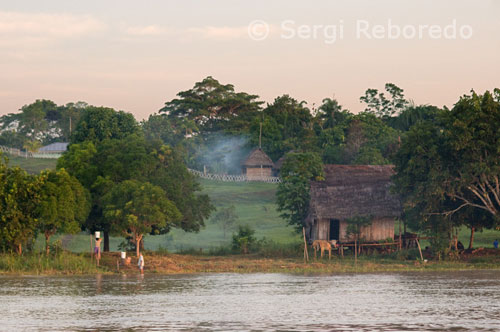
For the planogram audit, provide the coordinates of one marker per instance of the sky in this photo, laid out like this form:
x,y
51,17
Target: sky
x,y
137,55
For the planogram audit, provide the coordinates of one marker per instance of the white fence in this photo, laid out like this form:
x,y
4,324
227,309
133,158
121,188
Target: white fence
x,y
26,154
235,178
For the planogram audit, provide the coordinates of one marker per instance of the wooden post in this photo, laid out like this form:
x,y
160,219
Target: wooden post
x,y
400,238
91,250
306,254
355,251
420,250
260,136
342,250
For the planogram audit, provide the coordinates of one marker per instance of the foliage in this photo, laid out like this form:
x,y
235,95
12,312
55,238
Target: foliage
x,y
136,208
378,104
100,123
41,121
244,240
19,198
286,126
211,106
450,164
64,204
293,192
113,161
226,218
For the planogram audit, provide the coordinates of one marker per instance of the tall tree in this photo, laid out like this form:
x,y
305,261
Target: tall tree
x,y
293,194
64,204
19,198
449,164
213,106
137,208
100,123
378,104
133,158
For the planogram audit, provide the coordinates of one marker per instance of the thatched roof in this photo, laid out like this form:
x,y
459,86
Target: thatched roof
x,y
257,158
354,190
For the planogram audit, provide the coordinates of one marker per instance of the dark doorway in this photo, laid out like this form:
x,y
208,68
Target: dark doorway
x,y
334,229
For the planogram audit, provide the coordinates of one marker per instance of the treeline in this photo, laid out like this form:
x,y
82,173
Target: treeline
x,y
111,179
447,160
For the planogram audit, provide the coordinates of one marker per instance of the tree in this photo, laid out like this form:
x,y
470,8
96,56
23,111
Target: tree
x,y
213,106
293,194
244,239
286,125
32,119
100,123
451,163
226,218
32,145
19,198
64,204
134,209
113,161
378,104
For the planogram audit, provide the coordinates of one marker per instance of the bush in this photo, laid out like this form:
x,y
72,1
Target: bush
x,y
244,241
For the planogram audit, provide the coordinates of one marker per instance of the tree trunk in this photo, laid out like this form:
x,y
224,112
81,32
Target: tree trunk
x,y
19,249
106,241
47,248
471,241
355,251
138,239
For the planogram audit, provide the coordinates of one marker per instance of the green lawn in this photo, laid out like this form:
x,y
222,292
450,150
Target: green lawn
x,y
32,165
254,203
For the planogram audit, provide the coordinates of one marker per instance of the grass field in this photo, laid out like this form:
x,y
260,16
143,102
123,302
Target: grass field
x,y
255,206
254,203
32,165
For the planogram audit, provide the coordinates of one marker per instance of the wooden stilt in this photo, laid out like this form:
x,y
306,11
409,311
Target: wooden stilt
x,y
306,254
420,250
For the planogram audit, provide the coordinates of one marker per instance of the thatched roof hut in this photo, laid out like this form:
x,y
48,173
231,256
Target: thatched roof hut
x,y
257,164
353,191
256,158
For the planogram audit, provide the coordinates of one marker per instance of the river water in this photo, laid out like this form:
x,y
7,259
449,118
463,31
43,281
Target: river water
x,y
455,301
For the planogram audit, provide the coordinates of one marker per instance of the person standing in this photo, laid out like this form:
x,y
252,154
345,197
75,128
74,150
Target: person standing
x,y
495,244
140,263
97,248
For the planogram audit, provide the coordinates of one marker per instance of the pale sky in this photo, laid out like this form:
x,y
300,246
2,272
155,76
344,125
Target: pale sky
x,y
136,55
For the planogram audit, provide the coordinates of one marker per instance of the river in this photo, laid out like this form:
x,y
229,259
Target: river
x,y
451,301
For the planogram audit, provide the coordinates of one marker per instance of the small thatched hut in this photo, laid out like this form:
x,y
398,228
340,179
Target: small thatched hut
x,y
257,164
352,191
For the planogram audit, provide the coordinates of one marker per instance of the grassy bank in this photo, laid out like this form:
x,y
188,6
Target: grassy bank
x,y
72,264
62,263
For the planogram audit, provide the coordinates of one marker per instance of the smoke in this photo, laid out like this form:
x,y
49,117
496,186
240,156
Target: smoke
x,y
223,154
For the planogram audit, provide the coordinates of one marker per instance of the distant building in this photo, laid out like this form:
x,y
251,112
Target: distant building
x,y
352,191
54,148
257,165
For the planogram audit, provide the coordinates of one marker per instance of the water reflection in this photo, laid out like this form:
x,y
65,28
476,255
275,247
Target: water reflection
x,y
254,302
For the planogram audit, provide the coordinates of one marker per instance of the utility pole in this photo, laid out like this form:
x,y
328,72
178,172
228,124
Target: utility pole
x,y
260,136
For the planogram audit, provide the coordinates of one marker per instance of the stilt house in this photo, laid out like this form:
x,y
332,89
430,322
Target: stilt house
x,y
352,191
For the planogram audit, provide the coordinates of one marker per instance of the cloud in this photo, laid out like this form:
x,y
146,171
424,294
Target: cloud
x,y
17,28
149,30
220,33
208,32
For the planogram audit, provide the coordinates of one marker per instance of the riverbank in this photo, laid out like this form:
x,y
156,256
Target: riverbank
x,y
77,264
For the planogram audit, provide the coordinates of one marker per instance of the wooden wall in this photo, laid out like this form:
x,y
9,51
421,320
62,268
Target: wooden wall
x,y
380,229
255,172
